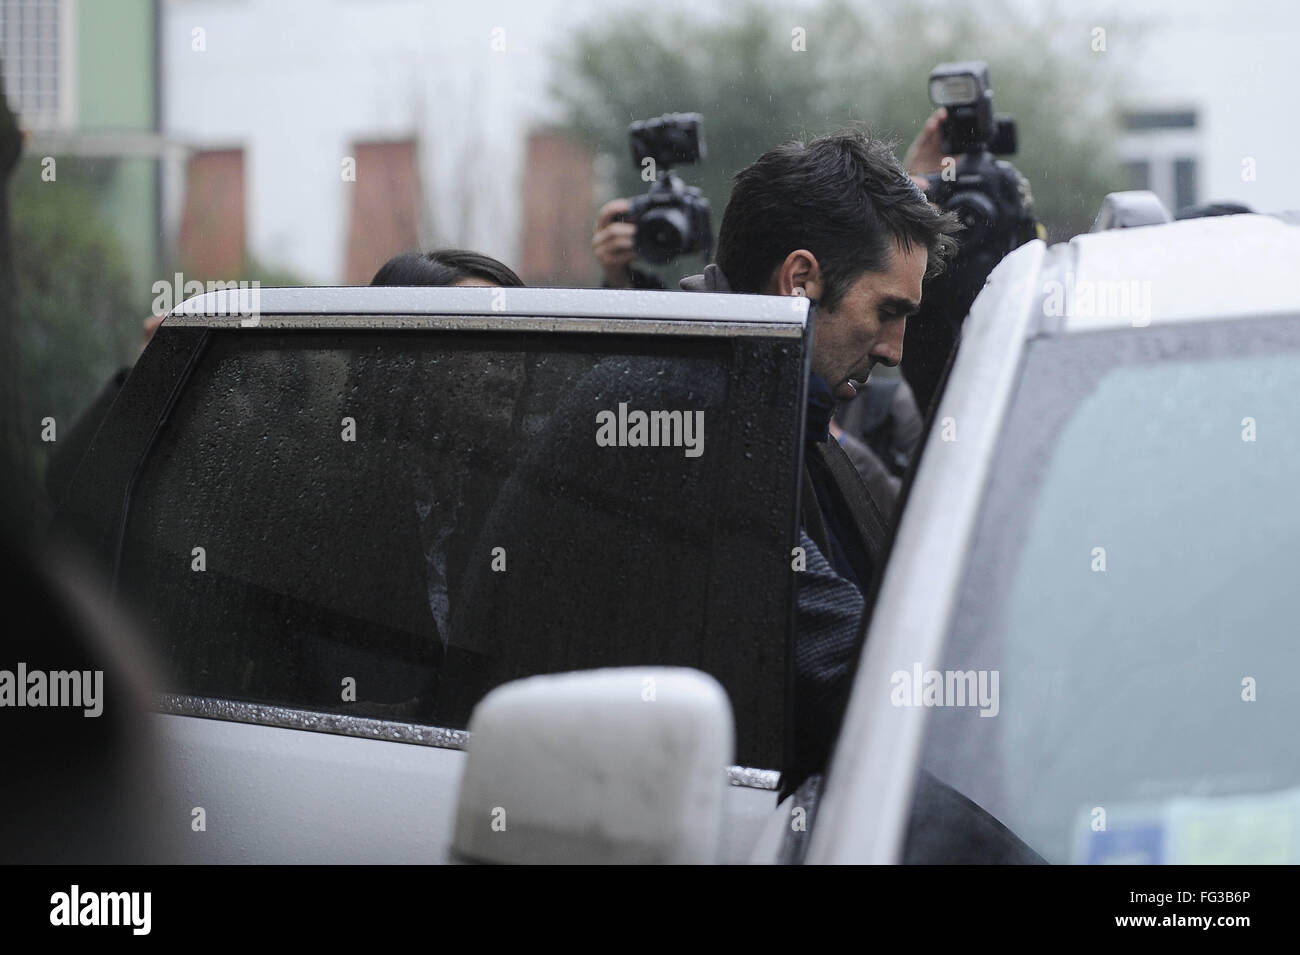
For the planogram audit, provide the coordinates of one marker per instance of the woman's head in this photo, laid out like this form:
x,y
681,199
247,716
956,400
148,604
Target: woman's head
x,y
446,267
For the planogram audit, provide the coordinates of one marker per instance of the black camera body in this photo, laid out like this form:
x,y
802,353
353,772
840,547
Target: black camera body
x,y
988,194
673,218
992,200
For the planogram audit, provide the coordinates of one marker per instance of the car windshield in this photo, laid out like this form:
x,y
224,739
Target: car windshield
x,y
1129,606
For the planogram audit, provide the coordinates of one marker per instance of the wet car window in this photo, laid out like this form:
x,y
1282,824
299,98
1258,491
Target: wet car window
x,y
389,525
1128,613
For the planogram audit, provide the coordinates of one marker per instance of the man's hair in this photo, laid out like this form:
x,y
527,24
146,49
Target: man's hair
x,y
444,267
845,198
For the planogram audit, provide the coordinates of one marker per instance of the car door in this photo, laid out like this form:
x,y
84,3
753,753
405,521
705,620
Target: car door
x,y
346,518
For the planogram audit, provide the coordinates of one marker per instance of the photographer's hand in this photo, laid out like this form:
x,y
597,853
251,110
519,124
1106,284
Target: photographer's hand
x,y
150,325
926,154
614,244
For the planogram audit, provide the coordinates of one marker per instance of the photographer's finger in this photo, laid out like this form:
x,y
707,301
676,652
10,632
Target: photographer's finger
x,y
616,250
614,236
609,210
925,155
619,229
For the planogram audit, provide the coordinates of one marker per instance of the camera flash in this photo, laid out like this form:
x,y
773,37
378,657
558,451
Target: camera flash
x,y
953,90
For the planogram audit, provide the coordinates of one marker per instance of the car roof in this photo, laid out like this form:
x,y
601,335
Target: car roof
x,y
1218,267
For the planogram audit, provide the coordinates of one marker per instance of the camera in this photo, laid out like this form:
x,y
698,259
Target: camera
x,y
673,218
989,195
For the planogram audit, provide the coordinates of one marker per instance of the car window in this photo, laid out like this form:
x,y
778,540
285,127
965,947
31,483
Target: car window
x,y
389,524
1126,626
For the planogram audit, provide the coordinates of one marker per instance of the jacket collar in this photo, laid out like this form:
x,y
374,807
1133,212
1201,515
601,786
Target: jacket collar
x,y
821,406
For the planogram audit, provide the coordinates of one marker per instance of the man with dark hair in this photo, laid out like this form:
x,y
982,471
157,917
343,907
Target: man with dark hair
x,y
839,221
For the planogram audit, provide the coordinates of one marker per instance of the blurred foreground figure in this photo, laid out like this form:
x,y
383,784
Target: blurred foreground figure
x,y
67,452
80,765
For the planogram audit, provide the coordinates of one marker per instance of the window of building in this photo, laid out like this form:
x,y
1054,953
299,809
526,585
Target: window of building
x,y
1137,174
1158,150
34,41
1184,182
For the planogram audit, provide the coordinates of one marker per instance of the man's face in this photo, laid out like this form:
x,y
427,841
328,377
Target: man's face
x,y
866,327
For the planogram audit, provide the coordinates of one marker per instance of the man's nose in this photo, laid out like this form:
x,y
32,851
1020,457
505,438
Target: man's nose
x,y
889,347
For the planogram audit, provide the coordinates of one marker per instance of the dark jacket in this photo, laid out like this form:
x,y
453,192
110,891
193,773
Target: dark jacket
x,y
880,431
885,416
66,453
848,533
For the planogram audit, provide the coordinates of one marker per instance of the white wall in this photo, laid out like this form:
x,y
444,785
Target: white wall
x,y
296,81
1235,63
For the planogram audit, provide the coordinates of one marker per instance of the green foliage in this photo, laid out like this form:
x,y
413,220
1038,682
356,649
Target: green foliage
x,y
863,63
272,276
80,311
253,270
80,318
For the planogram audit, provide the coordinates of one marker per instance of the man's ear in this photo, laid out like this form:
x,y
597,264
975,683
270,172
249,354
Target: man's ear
x,y
799,271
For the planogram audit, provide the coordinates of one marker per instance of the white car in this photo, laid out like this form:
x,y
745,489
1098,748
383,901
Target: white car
x,y
1103,532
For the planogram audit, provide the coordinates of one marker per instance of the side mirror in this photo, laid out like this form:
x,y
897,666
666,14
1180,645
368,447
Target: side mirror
x,y
596,767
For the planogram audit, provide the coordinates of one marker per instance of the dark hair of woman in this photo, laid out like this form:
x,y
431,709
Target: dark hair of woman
x,y
444,267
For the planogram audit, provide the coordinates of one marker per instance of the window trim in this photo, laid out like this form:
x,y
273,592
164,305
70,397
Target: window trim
x,y
363,727
160,423
492,323
610,310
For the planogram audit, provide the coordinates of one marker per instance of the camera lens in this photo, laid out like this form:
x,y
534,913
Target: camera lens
x,y
977,213
663,234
